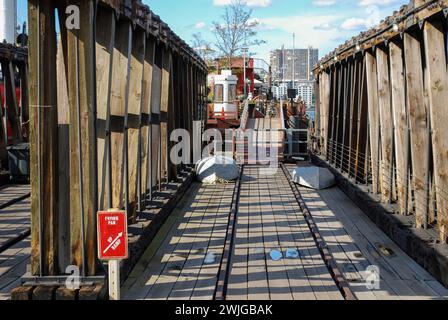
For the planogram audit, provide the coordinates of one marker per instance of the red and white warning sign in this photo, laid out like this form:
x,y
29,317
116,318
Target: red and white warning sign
x,y
112,235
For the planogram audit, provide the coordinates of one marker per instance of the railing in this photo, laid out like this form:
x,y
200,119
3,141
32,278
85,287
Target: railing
x,y
381,111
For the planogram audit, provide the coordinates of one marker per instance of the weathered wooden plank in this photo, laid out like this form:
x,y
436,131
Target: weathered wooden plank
x,y
134,117
326,110
63,157
146,114
437,90
164,108
374,117
83,165
43,137
118,105
386,125
105,41
361,161
397,80
156,96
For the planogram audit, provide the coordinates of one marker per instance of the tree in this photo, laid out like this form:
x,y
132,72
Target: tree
x,y
237,30
202,47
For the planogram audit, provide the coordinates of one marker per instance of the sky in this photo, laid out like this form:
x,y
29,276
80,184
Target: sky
x,y
323,24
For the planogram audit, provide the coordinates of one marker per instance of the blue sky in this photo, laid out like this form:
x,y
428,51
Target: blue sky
x,y
324,24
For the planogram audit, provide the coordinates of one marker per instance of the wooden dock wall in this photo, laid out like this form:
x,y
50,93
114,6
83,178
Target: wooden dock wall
x,y
382,112
105,99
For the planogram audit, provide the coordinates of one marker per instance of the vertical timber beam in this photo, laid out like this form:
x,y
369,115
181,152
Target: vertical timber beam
x,y
374,118
118,104
146,116
164,110
437,81
155,111
83,158
417,110
43,138
134,118
398,85
386,125
105,41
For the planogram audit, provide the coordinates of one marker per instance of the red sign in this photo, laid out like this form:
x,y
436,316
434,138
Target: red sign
x,y
112,235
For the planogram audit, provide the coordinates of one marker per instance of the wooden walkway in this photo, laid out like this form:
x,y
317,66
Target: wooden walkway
x,y
14,221
269,218
9,193
183,262
357,243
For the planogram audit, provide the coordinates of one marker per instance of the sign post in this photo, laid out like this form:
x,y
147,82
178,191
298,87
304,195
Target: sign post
x,y
113,245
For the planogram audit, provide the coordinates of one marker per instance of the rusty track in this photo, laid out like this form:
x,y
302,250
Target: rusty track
x,y
339,279
226,261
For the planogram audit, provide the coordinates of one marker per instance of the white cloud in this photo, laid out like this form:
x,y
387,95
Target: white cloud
x,y
200,25
354,24
250,3
324,3
365,3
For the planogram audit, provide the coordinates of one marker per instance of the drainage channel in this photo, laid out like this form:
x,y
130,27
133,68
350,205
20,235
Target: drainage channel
x,y
328,258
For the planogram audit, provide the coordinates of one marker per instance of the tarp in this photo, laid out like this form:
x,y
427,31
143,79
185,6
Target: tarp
x,y
217,169
314,177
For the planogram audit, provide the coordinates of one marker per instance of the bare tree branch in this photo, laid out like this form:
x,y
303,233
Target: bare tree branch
x,y
236,31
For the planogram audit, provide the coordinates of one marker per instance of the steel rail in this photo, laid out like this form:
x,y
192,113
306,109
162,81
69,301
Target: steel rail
x,y
229,244
328,258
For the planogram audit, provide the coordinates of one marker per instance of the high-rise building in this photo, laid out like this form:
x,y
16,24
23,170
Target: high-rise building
x,y
300,61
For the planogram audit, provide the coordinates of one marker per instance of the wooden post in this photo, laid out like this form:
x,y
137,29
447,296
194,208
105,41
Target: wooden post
x,y
83,158
105,42
43,138
374,118
146,115
118,104
164,109
398,86
134,117
437,90
419,125
155,110
362,161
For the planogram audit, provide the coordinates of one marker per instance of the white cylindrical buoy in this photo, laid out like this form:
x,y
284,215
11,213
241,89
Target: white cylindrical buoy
x,y
8,21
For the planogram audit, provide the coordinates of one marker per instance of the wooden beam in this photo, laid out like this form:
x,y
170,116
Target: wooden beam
x,y
155,110
105,42
63,157
83,158
134,116
43,138
437,90
374,117
146,113
362,161
386,125
326,110
164,108
118,104
399,110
